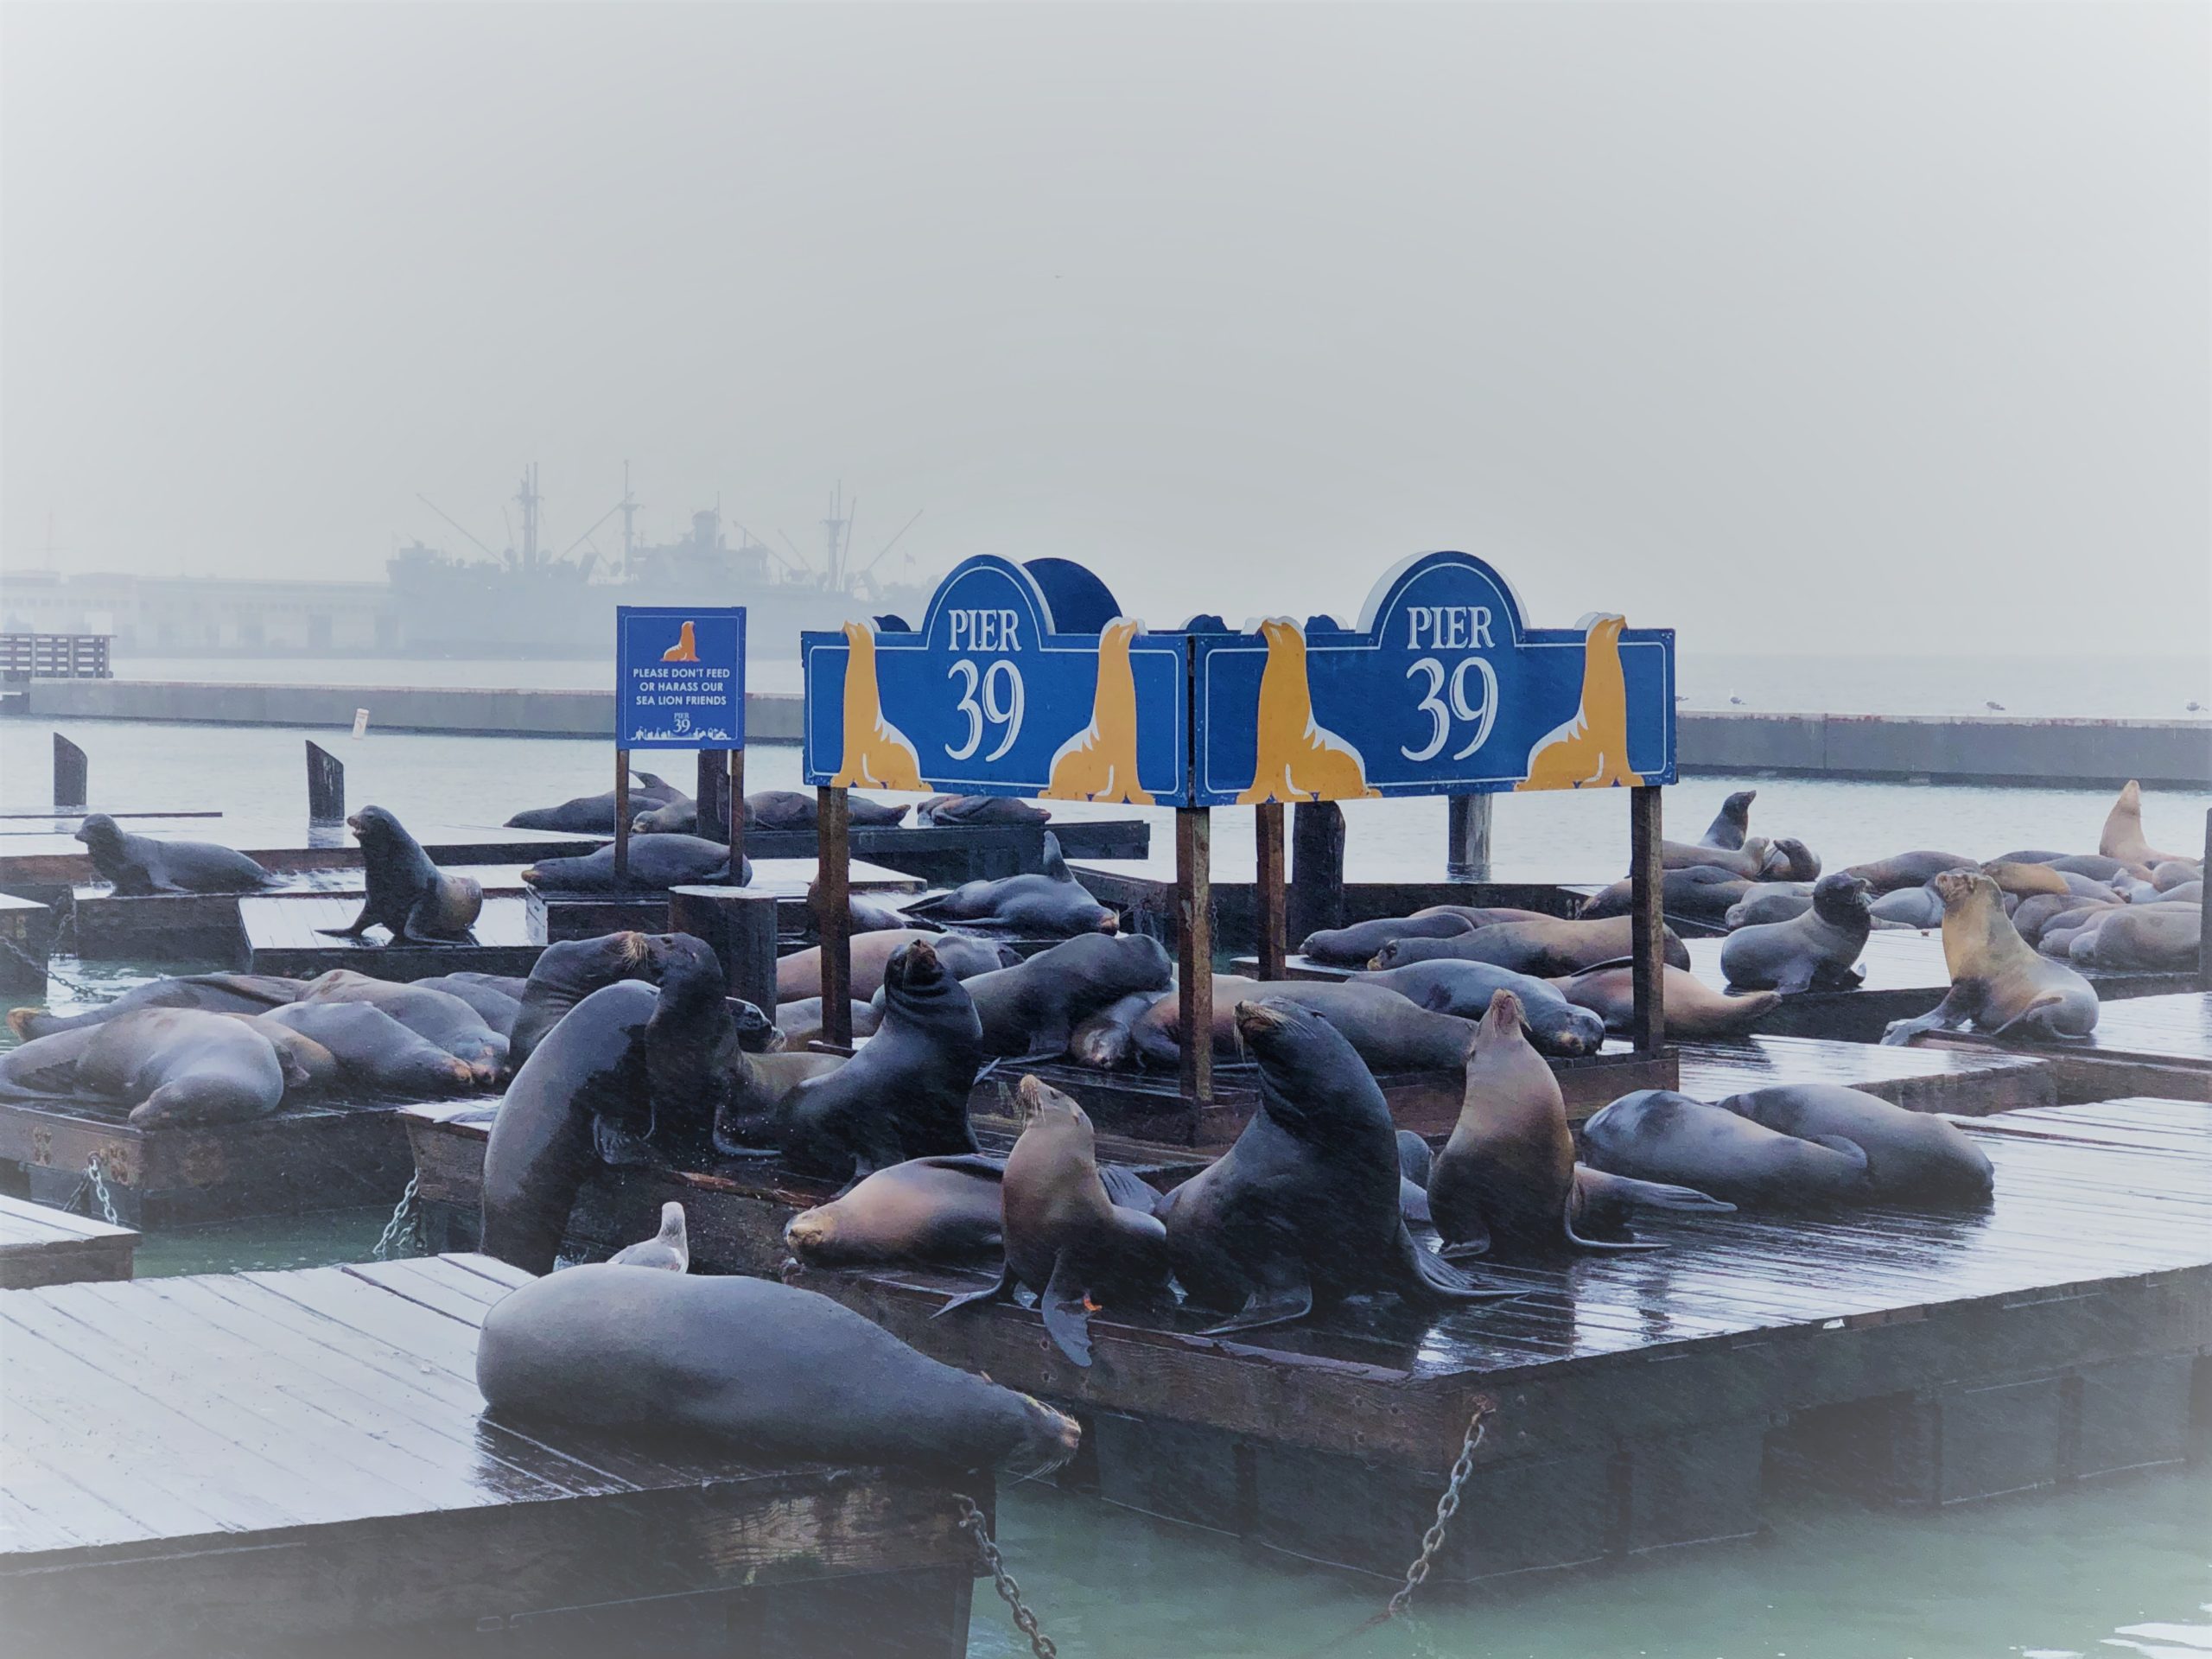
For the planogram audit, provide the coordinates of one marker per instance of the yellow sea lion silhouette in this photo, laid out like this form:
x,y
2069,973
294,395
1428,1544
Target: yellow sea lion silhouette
x,y
685,650
1099,762
877,754
1591,750
1298,760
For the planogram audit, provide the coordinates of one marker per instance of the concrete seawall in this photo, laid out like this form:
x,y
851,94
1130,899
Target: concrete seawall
x,y
1962,749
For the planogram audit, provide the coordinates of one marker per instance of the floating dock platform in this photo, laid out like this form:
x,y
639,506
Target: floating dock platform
x,y
947,855
42,1246
2150,1045
555,915
26,931
301,1462
1920,1359
58,859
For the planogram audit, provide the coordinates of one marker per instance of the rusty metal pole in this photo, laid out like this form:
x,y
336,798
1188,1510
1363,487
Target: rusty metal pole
x,y
1268,891
1194,947
1647,934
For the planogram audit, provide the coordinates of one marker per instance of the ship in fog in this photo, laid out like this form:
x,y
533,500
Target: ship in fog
x,y
525,600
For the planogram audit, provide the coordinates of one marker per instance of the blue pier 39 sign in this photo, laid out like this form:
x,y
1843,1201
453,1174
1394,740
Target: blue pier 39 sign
x,y
1020,680
679,677
1442,690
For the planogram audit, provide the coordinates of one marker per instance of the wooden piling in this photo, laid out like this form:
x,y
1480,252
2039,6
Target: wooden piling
x,y
1274,947
1193,947
833,915
326,785
71,791
1648,930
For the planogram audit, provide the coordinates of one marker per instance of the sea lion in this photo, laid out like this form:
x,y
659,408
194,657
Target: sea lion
x,y
1302,1211
1997,981
1065,1239
1910,906
2152,939
799,974
1656,1135
776,1373
1773,901
867,915
2031,881
169,1065
980,809
2095,866
2122,837
1694,1009
678,816
565,973
931,1209
1703,893
209,993
1733,822
1033,1006
1911,1157
374,1051
496,998
407,893
1544,948
1385,1028
801,1021
1355,947
656,863
1816,952
138,865
1907,870
2175,873
1748,862
796,809
2034,914
595,815
1555,1025
904,1095
1791,859
668,1251
1107,1040
446,1021
1050,903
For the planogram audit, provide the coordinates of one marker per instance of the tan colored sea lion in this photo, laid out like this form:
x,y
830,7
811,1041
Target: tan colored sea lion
x,y
1748,861
1099,762
1694,1007
1298,760
686,648
941,1209
1998,982
877,754
799,974
2123,834
1591,750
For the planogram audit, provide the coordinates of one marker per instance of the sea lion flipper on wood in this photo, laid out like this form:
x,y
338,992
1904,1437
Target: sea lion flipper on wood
x,y
1282,1303
361,924
1066,1308
1437,1280
1001,1291
2033,1015
1960,1004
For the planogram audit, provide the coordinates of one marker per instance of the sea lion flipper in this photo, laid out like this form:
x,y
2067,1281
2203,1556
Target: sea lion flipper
x,y
1838,1143
1413,1203
1001,1291
617,1147
1067,1310
1127,1189
1626,1189
1437,1280
1279,1304
361,924
2030,1015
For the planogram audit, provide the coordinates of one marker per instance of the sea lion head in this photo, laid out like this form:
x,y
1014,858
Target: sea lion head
x,y
374,827
1502,1021
1046,1108
2025,879
1957,889
1386,957
811,1235
1049,1438
1301,1055
1756,848
101,834
1842,899
1791,859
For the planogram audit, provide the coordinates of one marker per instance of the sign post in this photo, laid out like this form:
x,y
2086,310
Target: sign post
x,y
679,683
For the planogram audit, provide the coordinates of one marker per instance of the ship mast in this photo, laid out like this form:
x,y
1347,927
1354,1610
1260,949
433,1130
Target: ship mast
x,y
528,499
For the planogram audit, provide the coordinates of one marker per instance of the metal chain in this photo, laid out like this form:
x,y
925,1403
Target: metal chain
x,y
973,1523
44,967
401,1227
1447,1507
99,1180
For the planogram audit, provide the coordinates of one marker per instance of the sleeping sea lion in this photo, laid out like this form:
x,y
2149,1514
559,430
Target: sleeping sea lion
x,y
1693,1008
1771,901
1703,893
1555,1025
138,865
668,1251
169,1065
1911,1157
1907,870
678,815
407,893
496,997
1107,1040
1656,1135
800,1021
1302,1211
565,973
1791,859
1544,948
934,1209
209,993
2122,837
594,815
1034,1007
1733,822
1051,903
446,1021
1065,1239
799,974
798,809
980,809
2152,939
656,863
1387,1029
374,1051
1997,981
1910,906
2031,881
1816,952
1748,862
1355,947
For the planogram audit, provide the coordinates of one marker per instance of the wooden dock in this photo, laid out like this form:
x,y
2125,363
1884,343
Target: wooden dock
x,y
59,859
310,1156
27,930
948,855
555,915
282,937
2148,1045
301,1462
1919,1358
42,1246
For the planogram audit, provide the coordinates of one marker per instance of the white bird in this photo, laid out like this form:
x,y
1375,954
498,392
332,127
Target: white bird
x,y
668,1251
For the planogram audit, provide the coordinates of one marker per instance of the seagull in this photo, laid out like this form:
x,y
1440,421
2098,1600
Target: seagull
x,y
1999,707
1736,700
1679,697
2195,707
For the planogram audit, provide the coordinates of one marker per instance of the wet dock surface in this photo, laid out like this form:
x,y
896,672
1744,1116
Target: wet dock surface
x,y
40,1245
2156,1044
203,1462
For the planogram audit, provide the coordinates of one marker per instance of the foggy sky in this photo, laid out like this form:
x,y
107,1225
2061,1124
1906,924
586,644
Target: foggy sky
x,y
1820,326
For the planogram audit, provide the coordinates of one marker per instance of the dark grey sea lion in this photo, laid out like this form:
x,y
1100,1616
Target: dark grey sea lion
x,y
375,1052
1791,859
1816,952
209,993
1733,822
1998,982
1051,903
446,1021
496,998
1556,1026
1770,901
1545,949
169,1065
1907,870
980,809
904,1095
594,815
669,1249
564,974
2150,938
931,1209
1388,1030
776,1373
964,956
1034,1007
1911,1157
407,893
1656,1135
793,808
1704,894
139,865
1303,1211
1106,1041
1355,947
1065,1239
675,817
656,863
1912,906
